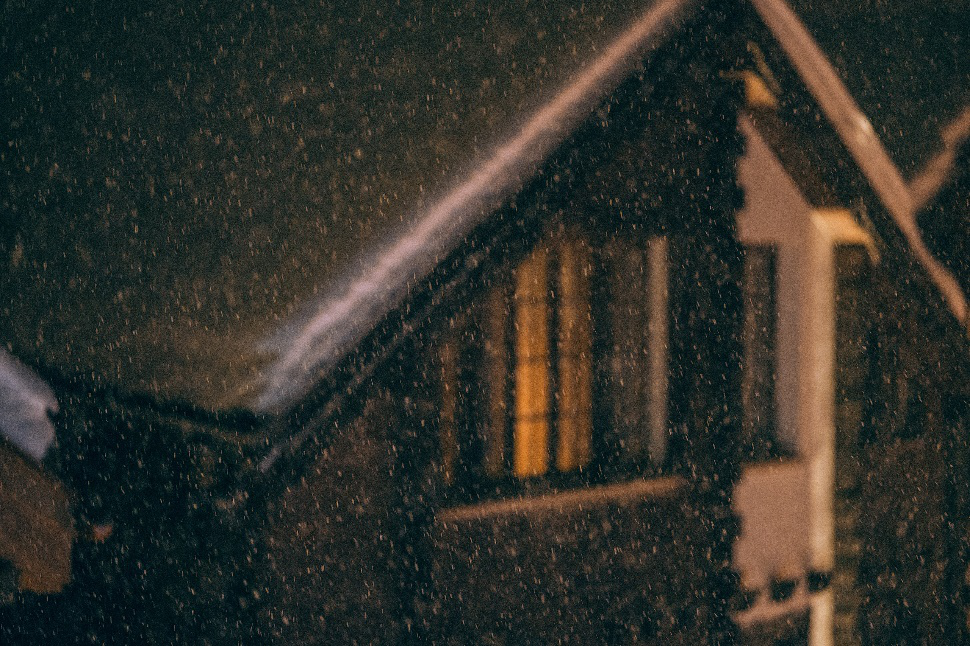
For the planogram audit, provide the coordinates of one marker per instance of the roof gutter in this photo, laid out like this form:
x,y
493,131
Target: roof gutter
x,y
860,139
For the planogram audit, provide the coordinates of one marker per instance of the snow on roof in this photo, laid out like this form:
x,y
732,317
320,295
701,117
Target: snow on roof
x,y
342,318
229,167
25,402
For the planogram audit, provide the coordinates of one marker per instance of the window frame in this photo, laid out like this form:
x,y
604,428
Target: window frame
x,y
470,453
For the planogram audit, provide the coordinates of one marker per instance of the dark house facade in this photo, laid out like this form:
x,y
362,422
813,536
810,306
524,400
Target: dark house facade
x,y
496,460
668,296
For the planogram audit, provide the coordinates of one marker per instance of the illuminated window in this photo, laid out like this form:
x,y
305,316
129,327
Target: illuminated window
x,y
574,419
551,421
532,371
560,369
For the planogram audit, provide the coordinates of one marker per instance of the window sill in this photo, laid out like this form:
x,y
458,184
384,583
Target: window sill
x,y
620,493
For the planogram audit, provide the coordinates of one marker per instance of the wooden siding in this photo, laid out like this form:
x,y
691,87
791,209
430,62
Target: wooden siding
x,y
329,575
614,564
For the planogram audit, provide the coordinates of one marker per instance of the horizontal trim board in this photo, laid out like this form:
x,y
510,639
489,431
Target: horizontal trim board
x,y
575,500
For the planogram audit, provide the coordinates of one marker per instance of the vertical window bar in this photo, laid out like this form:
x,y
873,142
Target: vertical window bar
x,y
575,419
497,383
553,296
658,318
508,377
448,363
604,394
531,431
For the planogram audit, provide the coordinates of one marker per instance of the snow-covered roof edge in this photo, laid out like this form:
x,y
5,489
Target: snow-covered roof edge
x,y
934,175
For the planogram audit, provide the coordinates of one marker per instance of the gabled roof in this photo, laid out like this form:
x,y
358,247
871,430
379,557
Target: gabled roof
x,y
182,184
216,204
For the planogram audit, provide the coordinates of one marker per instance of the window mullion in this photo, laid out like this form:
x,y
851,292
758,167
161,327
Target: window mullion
x,y
574,347
532,382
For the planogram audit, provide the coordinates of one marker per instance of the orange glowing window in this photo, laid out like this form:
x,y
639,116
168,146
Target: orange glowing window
x,y
530,432
574,446
560,368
